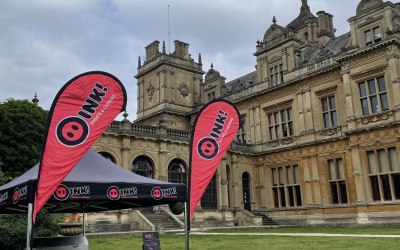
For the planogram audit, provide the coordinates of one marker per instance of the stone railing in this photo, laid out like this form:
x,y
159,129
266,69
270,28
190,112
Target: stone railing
x,y
144,129
127,128
162,133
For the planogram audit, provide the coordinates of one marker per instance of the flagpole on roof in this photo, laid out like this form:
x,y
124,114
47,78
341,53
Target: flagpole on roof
x,y
169,35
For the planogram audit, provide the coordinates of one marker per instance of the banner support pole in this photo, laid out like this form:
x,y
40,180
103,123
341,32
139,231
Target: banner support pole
x,y
29,227
187,230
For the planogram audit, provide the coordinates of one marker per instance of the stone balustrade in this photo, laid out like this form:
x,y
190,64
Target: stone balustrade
x,y
127,128
162,133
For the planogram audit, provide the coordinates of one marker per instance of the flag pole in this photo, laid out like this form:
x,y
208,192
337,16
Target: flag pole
x,y
29,227
187,226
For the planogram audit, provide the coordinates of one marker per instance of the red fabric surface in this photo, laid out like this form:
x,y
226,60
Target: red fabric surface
x,y
81,112
216,127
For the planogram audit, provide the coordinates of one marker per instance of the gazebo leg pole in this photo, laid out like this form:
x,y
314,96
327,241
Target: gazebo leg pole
x,y
29,227
84,227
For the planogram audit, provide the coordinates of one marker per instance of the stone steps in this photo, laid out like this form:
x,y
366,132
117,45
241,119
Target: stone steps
x,y
266,221
161,221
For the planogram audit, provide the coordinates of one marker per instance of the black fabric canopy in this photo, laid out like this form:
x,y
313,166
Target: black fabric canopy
x,y
95,184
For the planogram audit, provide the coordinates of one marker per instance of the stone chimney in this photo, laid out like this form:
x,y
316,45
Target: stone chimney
x,y
181,50
325,28
152,50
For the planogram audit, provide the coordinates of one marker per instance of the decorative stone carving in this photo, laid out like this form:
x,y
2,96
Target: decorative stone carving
x,y
150,92
281,142
376,118
184,89
366,6
396,80
393,52
106,140
329,131
345,68
303,88
396,21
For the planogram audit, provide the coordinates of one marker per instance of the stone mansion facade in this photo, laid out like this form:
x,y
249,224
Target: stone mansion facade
x,y
319,140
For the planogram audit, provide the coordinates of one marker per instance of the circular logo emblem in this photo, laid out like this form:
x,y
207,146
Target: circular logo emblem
x,y
15,195
61,193
156,193
72,131
113,193
207,148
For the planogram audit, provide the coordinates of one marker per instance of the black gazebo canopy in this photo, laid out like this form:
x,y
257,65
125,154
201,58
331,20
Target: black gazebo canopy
x,y
95,184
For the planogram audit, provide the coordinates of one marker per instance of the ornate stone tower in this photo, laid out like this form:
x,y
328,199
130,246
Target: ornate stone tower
x,y
168,86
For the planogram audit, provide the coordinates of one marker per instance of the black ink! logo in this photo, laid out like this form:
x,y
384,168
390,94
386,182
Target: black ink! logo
x,y
113,193
208,148
72,131
15,195
156,193
3,198
61,193
19,193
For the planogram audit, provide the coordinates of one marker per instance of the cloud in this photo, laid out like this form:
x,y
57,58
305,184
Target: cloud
x,y
44,43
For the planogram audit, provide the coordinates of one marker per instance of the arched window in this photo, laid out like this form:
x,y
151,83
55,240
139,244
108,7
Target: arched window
x,y
209,198
177,171
107,156
143,166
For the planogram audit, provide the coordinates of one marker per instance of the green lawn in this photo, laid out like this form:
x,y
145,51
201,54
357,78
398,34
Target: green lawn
x,y
329,230
214,242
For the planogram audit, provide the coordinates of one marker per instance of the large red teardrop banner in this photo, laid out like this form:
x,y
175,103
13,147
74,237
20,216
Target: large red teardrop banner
x,y
215,127
82,110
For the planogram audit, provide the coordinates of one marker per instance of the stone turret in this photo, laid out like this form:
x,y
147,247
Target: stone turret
x,y
168,86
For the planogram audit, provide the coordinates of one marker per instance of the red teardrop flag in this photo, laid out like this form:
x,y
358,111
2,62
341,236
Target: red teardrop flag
x,y
80,113
215,127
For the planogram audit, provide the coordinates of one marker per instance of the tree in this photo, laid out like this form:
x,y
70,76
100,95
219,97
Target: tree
x,y
13,228
22,126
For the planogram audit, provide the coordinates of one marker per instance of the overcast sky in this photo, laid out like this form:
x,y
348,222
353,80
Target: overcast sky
x,y
45,43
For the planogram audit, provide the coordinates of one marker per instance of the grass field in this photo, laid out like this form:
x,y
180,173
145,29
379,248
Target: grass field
x,y
230,242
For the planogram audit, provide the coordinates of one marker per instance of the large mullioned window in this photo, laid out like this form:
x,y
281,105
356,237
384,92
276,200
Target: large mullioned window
x,y
329,114
337,181
241,134
372,36
276,75
373,96
286,186
384,174
280,124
